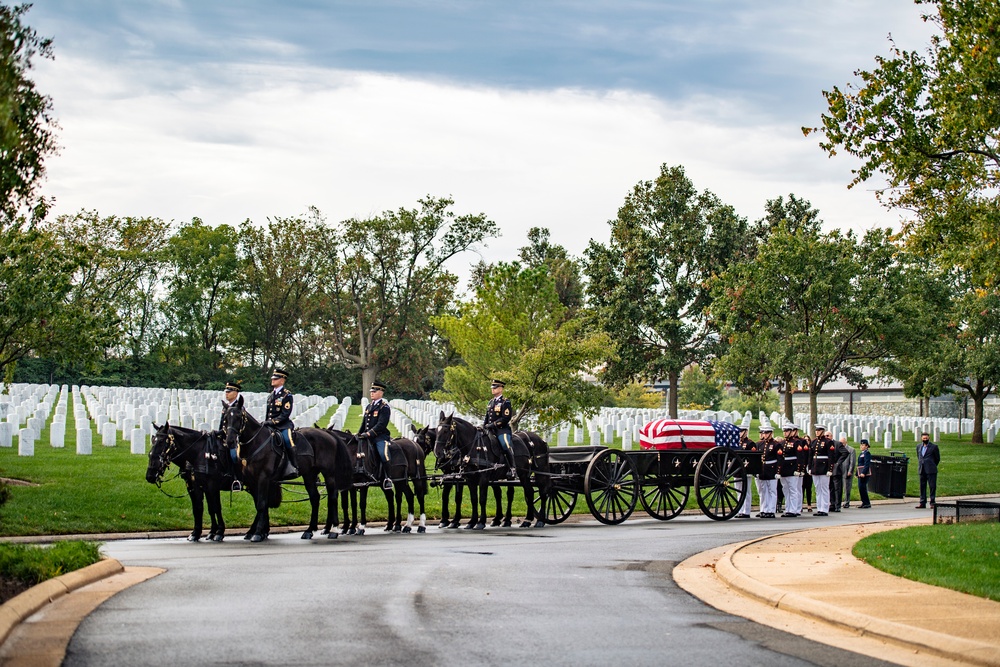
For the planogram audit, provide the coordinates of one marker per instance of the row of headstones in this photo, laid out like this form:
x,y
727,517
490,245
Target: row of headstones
x,y
890,429
136,431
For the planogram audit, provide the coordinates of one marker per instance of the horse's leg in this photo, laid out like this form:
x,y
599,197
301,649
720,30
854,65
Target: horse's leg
x,y
408,492
309,480
197,507
363,505
498,501
483,498
214,500
510,507
445,499
529,498
262,522
331,507
474,498
390,520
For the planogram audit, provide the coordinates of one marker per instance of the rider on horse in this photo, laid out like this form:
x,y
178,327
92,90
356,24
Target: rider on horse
x,y
232,392
498,420
375,427
279,419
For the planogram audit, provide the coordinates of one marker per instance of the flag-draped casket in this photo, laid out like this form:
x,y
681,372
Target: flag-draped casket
x,y
683,434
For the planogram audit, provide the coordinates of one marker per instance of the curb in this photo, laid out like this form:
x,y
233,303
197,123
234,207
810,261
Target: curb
x,y
20,607
917,639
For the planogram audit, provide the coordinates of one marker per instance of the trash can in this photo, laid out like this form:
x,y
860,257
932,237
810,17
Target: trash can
x,y
889,475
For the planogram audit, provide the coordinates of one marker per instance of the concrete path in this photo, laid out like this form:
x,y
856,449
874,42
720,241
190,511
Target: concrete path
x,y
808,583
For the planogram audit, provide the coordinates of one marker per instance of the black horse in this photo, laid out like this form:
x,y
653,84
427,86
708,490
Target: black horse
x,y
317,452
203,468
466,451
409,479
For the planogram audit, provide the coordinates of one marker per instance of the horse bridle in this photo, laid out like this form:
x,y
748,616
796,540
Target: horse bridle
x,y
239,434
452,452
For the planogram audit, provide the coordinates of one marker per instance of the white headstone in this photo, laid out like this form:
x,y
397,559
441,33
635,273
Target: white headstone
x,y
138,441
109,435
57,434
627,440
84,441
25,442
6,434
888,440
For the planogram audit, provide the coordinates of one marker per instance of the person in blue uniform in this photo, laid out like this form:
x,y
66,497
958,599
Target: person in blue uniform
x,y
497,421
375,427
230,394
279,419
864,472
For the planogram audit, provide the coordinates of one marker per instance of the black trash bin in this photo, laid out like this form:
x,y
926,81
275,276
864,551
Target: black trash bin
x,y
889,475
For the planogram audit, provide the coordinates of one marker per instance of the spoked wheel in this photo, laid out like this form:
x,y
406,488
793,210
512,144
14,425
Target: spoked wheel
x,y
661,497
720,483
611,487
559,507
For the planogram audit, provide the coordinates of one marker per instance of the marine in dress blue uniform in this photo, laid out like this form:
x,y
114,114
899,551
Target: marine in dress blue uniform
x,y
279,419
231,393
375,426
497,420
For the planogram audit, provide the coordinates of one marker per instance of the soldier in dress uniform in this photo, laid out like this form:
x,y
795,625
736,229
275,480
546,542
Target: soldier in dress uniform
x,y
748,445
230,394
279,419
767,482
792,447
864,472
497,420
375,427
822,461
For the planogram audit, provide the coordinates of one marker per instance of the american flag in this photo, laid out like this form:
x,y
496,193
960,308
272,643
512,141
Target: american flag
x,y
680,434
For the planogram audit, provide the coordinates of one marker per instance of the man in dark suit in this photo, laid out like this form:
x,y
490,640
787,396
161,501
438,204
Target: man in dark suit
x,y
928,458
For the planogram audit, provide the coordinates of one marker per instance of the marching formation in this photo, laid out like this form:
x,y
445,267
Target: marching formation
x,y
800,465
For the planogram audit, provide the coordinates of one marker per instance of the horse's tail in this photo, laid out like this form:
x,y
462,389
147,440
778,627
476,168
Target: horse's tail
x,y
274,496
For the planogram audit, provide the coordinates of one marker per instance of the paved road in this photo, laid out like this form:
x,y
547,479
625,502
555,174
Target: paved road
x,y
577,594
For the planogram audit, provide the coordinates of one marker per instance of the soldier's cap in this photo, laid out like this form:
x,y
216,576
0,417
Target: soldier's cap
x,y
766,428
233,385
789,426
497,383
819,427
864,441
279,373
377,386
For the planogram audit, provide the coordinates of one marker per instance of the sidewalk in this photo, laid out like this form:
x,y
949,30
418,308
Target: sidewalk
x,y
808,583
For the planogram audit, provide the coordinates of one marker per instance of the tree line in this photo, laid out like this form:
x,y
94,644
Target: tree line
x,y
684,281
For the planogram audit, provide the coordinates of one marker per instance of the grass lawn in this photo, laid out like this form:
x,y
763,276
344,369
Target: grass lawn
x,y
962,556
24,565
107,491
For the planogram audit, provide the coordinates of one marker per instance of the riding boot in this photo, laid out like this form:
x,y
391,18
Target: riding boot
x,y
290,470
511,466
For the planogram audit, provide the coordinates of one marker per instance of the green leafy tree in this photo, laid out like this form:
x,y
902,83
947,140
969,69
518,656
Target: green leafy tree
x,y
929,123
698,390
516,330
648,287
387,279
200,291
565,271
818,307
283,269
27,128
636,395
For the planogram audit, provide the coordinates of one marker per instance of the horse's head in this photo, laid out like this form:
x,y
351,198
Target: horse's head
x,y
234,420
448,440
163,446
425,438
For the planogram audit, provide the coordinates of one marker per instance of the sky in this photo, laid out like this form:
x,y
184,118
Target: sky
x,y
538,114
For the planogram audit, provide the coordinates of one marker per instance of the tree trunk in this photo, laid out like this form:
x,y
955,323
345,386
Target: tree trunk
x,y
368,375
673,377
789,409
813,410
978,399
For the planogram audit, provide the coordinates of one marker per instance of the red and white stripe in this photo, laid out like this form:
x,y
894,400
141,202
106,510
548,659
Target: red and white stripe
x,y
668,433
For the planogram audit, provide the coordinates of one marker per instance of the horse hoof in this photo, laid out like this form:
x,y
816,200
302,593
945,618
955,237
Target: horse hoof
x,y
496,523
525,524
193,538
257,538
355,531
361,531
469,526
506,524
218,538
307,535
247,536
331,536
444,524
326,531
407,529
480,526
452,526
387,529
421,529
539,524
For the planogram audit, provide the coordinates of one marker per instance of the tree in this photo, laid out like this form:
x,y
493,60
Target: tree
x,y
698,391
283,269
637,395
387,280
516,330
836,304
931,125
27,129
564,270
649,286
200,290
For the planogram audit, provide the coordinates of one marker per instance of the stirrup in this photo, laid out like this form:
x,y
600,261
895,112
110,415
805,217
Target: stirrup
x,y
387,484
236,485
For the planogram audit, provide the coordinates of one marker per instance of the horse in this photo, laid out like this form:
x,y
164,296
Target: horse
x,y
317,452
203,468
465,448
425,438
406,465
